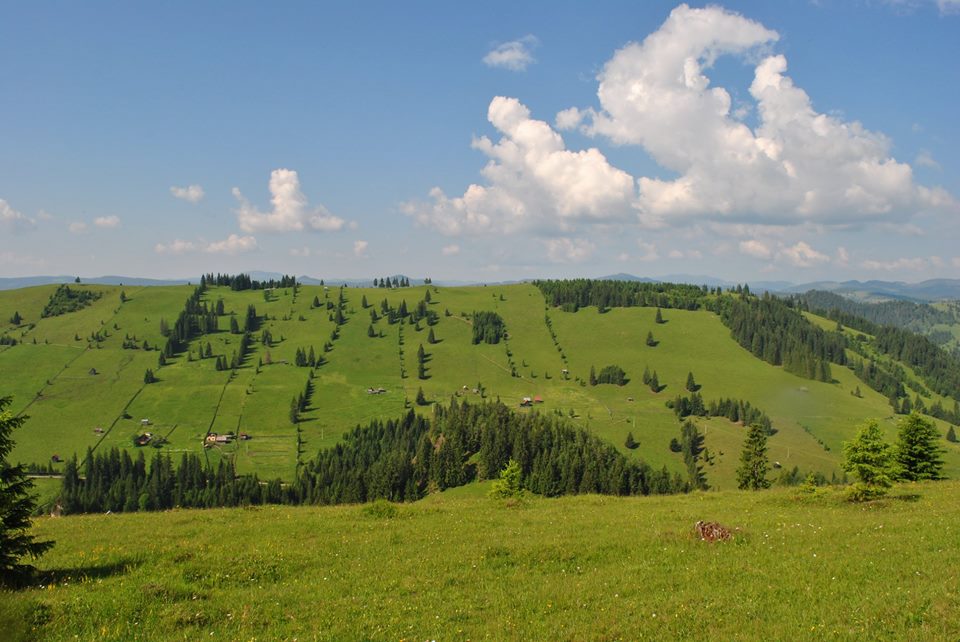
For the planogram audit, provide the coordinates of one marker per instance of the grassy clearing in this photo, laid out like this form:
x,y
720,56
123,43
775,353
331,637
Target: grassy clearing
x,y
461,566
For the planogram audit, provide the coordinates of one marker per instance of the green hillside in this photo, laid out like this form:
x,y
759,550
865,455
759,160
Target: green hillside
x,y
460,566
83,389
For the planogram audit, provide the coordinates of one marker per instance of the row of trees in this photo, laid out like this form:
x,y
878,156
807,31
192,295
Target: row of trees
x,y
736,410
239,282
573,294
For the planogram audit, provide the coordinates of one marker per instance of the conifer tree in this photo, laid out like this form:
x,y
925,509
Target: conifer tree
x,y
16,319
654,382
752,473
650,340
630,442
871,460
593,376
659,318
431,338
691,383
917,451
421,399
951,435
370,331
17,503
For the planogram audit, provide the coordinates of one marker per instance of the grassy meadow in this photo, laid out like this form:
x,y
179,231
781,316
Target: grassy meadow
x,y
82,393
461,566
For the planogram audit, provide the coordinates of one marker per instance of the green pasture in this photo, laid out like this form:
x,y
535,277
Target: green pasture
x,y
191,398
458,565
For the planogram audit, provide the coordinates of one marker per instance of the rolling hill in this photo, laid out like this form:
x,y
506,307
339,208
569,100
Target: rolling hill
x,y
80,376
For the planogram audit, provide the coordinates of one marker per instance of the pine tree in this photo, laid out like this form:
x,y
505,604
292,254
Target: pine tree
x,y
17,503
370,331
650,340
951,435
593,376
691,383
16,319
752,473
871,460
654,382
917,450
630,442
659,318
431,338
294,411
421,399
148,376
234,326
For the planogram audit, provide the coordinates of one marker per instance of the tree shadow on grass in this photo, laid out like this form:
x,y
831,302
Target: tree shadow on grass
x,y
87,572
906,497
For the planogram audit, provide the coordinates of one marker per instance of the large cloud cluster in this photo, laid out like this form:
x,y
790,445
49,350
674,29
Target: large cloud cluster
x,y
794,166
533,181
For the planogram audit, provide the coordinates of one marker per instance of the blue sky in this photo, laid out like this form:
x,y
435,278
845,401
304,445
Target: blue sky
x,y
787,140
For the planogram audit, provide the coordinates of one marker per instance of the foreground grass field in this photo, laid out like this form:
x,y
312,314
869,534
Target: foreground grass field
x,y
461,566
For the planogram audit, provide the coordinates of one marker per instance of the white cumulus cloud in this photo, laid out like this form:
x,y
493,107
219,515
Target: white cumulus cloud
x,y
533,182
514,55
190,193
450,250
291,211
563,250
801,255
360,248
108,222
77,227
233,244
755,248
797,165
13,219
903,263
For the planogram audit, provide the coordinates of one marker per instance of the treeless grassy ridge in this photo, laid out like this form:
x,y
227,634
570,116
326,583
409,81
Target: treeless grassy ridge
x,y
461,566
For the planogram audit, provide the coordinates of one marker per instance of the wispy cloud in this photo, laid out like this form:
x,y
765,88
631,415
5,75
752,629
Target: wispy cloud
x,y
190,193
515,55
13,219
108,222
233,244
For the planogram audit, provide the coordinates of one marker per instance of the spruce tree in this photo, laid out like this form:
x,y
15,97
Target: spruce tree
x,y
917,451
659,318
630,442
593,376
871,460
16,319
17,503
951,435
421,399
431,338
752,473
691,383
650,340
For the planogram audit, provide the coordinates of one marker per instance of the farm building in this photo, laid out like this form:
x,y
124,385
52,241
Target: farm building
x,y
144,439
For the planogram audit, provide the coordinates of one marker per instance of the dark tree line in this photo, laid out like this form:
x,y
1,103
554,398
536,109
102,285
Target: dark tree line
x,y
574,294
237,282
399,460
779,334
938,369
406,458
114,481
736,410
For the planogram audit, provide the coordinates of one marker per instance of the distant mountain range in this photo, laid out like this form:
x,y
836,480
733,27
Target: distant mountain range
x,y
866,291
